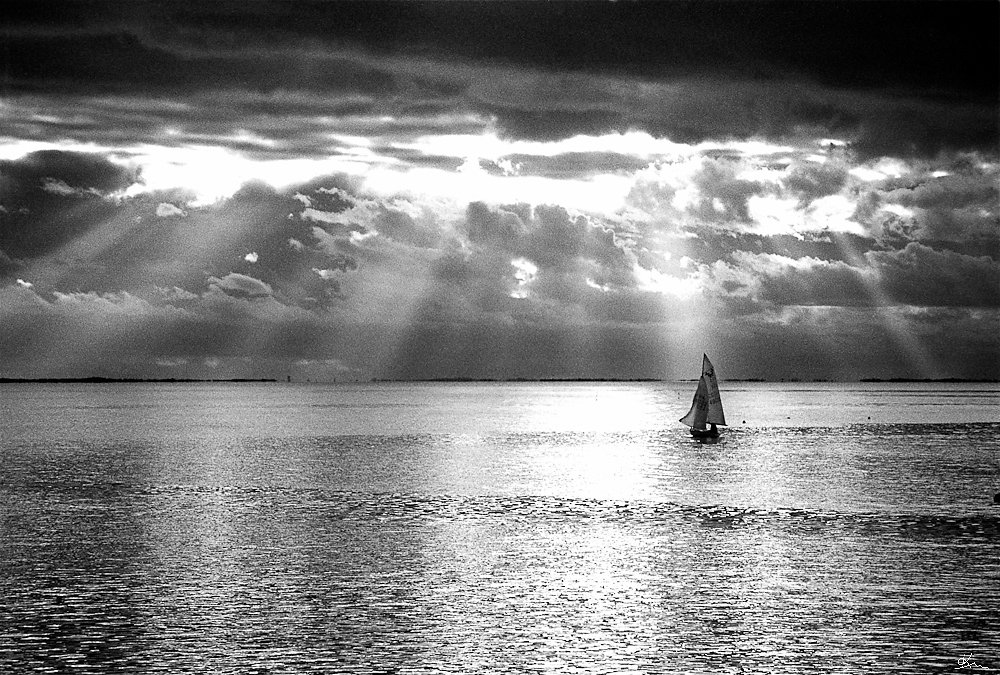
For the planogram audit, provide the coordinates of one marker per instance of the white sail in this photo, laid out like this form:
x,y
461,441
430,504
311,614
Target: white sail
x,y
715,413
698,413
706,408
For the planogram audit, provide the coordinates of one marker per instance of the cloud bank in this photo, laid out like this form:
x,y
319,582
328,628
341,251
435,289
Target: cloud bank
x,y
285,189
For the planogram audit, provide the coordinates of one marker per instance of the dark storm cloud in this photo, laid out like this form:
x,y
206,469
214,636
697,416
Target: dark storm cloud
x,y
51,197
920,275
247,278
116,58
401,226
897,77
812,181
548,236
724,196
179,288
583,271
920,46
960,210
959,190
142,243
78,170
759,237
522,119
916,275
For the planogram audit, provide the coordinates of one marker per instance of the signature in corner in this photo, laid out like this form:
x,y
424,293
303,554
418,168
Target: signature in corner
x,y
967,662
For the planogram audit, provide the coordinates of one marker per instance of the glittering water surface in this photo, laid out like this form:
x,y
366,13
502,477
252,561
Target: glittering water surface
x,y
497,528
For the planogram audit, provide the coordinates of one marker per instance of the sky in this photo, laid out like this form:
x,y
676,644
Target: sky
x,y
334,190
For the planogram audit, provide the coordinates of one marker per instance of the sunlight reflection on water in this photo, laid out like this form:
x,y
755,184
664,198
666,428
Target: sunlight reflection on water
x,y
493,546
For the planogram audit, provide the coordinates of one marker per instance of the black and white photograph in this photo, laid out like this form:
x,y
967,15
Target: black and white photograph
x,y
491,336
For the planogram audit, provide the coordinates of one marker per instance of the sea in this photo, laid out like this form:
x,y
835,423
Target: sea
x,y
529,527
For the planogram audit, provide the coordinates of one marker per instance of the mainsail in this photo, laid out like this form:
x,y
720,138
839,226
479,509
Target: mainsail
x,y
707,405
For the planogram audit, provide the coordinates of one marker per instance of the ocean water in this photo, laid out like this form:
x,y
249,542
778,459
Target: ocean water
x,y
498,528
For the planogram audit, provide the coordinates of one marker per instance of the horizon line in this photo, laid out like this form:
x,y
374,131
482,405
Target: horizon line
x,y
458,380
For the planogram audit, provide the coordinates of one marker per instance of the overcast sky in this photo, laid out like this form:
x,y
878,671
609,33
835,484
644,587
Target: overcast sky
x,y
324,189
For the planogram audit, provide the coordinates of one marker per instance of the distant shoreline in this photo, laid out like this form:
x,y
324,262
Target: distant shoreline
x,y
958,380
459,380
113,380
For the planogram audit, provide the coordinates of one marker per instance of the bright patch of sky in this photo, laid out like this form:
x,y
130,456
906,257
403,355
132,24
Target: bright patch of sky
x,y
898,210
682,288
884,168
524,273
213,173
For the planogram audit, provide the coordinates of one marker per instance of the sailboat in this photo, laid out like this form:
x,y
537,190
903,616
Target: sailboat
x,y
706,409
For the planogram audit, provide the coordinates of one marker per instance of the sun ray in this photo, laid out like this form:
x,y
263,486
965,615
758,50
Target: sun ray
x,y
917,356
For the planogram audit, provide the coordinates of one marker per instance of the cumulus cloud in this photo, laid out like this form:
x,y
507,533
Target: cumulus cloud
x,y
915,276
394,283
959,207
168,210
779,280
241,286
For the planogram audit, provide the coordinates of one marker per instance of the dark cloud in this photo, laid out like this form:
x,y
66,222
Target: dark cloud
x,y
554,123
78,170
755,241
915,276
958,211
812,181
779,281
696,110
52,197
953,191
295,74
581,270
114,59
137,244
920,46
550,238
401,226
724,196
429,305
502,228
919,128
920,275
